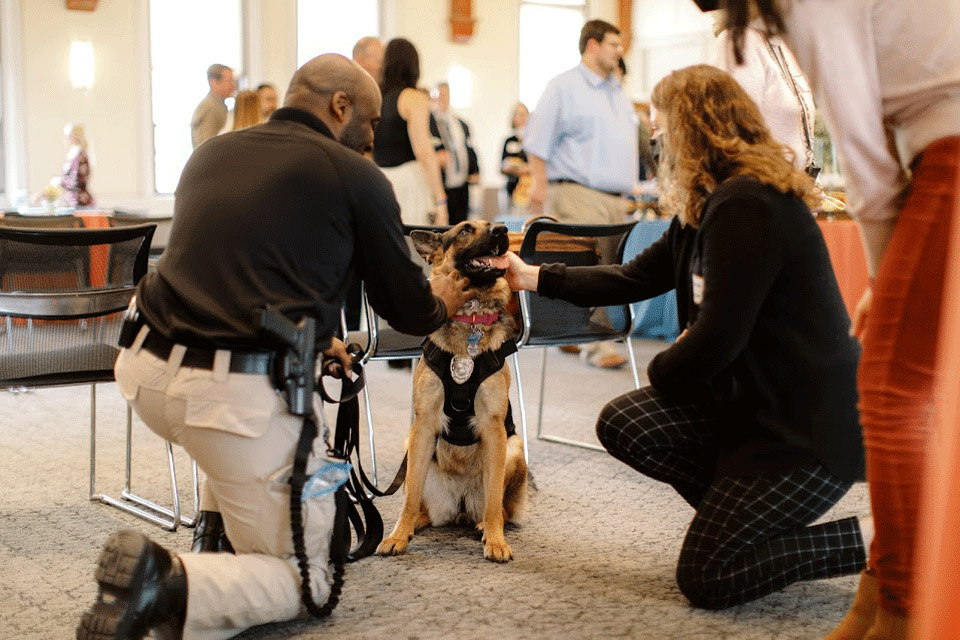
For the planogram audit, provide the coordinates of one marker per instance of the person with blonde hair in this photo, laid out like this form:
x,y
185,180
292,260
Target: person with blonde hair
x,y
76,168
246,110
751,415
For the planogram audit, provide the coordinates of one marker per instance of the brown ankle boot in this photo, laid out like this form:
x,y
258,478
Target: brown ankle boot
x,y
862,613
888,626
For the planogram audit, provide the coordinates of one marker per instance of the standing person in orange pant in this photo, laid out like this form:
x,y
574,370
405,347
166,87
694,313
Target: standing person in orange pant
x,y
886,74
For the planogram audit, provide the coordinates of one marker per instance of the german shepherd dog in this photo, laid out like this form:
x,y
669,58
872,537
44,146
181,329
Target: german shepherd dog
x,y
482,478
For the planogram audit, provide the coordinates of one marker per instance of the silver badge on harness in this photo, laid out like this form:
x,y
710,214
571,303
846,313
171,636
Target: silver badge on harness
x,y
461,369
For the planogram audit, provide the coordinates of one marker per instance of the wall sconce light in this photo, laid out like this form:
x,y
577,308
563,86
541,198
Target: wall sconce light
x,y
81,64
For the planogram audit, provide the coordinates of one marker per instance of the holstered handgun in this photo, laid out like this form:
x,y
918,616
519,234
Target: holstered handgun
x,y
293,369
130,325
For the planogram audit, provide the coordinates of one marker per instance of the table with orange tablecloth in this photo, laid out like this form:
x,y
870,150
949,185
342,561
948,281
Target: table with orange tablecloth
x,y
848,258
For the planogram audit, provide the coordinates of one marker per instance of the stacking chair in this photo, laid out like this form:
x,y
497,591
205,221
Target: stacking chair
x,y
548,323
60,294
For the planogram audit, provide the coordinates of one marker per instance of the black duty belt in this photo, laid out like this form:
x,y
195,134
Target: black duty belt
x,y
566,181
253,362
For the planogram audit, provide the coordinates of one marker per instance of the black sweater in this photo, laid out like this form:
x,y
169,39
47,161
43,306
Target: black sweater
x,y
768,341
281,214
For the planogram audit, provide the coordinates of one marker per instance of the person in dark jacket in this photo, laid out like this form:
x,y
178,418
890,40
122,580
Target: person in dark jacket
x,y
751,415
278,215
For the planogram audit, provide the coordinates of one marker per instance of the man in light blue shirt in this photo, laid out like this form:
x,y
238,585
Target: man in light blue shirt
x,y
582,136
582,142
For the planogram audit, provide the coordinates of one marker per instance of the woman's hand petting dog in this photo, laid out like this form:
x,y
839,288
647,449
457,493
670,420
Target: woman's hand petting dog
x,y
520,275
452,291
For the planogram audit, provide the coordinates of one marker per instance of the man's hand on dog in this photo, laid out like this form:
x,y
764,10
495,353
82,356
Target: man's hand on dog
x,y
520,275
454,292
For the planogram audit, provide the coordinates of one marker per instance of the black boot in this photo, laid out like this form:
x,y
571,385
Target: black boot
x,y
142,588
209,534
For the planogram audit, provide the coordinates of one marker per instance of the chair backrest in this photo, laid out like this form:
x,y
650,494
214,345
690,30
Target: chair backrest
x,y
384,342
41,222
556,322
655,317
60,291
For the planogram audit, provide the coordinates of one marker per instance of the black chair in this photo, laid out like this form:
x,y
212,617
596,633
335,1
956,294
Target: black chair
x,y
546,323
61,291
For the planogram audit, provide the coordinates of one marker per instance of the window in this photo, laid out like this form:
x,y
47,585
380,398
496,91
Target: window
x,y
549,37
334,26
186,37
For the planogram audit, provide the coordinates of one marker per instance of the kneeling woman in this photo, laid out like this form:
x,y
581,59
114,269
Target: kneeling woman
x,y
751,415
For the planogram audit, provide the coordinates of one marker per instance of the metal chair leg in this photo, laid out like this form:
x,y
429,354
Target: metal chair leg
x,y
413,388
523,408
546,436
373,450
633,362
543,387
162,516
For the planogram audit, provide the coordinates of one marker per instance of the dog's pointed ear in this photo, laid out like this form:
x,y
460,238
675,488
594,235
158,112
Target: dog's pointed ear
x,y
425,242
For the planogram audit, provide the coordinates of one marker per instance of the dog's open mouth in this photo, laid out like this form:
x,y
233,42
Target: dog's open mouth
x,y
490,263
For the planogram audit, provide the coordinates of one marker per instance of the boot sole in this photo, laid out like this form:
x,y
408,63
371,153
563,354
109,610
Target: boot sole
x,y
120,565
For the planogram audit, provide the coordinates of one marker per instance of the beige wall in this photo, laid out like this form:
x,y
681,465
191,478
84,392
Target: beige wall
x,y
116,110
109,110
666,36
491,57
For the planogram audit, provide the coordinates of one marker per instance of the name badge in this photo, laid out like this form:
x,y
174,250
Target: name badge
x,y
697,289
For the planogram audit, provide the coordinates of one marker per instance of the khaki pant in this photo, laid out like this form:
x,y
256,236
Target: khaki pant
x,y
238,430
574,203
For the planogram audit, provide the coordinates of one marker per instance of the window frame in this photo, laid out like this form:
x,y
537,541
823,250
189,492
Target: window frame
x,y
148,178
14,145
382,20
586,9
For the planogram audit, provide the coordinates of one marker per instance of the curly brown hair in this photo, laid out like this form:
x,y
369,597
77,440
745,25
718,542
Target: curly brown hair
x,y
714,133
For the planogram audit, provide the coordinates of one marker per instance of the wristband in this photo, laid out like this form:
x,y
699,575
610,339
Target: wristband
x,y
440,202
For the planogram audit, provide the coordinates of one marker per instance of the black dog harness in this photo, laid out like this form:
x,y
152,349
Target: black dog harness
x,y
458,399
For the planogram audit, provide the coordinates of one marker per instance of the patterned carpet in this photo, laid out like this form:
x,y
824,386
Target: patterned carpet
x,y
595,559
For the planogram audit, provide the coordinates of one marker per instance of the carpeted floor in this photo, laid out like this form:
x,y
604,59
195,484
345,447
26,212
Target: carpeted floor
x,y
595,559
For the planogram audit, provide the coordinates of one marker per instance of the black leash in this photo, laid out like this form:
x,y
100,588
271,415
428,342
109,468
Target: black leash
x,y
293,374
340,539
361,511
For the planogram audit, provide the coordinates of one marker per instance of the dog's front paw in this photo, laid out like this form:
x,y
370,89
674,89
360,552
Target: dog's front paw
x,y
497,551
393,546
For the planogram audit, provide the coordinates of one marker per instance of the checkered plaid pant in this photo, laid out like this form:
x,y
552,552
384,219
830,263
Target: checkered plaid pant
x,y
751,536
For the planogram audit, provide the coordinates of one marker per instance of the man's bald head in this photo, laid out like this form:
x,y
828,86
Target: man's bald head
x,y
368,53
341,94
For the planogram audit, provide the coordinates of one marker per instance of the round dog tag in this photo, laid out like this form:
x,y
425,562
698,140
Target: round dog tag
x,y
461,369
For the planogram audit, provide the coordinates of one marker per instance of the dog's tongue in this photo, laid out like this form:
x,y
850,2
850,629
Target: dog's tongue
x,y
498,262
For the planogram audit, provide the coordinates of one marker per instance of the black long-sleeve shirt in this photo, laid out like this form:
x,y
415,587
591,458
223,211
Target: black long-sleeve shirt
x,y
279,214
768,335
